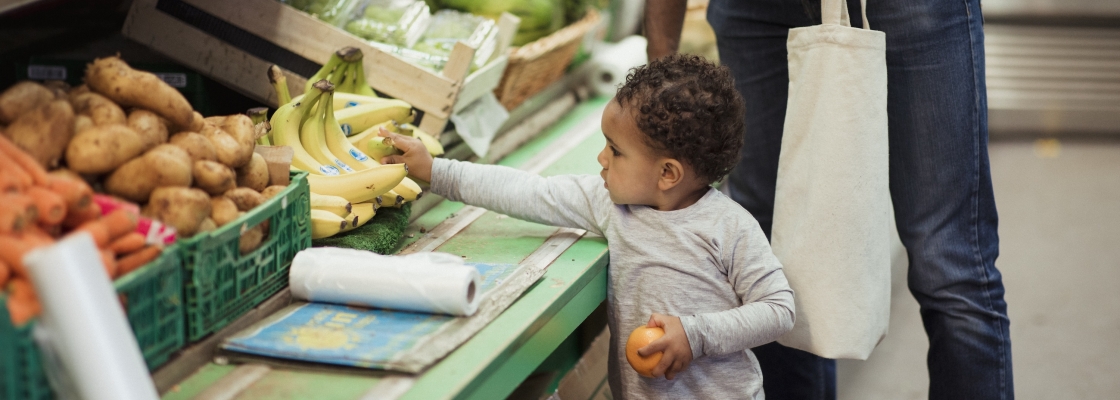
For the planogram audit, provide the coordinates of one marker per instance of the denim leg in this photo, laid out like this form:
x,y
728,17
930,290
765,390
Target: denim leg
x,y
751,36
942,191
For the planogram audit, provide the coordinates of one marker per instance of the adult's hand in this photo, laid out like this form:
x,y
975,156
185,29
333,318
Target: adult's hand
x,y
663,22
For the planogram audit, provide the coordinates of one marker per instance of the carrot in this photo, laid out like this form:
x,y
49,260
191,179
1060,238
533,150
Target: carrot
x,y
14,177
23,310
5,273
50,206
96,228
24,160
22,209
12,220
77,217
128,243
13,247
75,191
119,222
137,259
21,288
109,261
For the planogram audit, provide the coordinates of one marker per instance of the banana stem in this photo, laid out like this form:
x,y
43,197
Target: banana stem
x,y
257,114
279,84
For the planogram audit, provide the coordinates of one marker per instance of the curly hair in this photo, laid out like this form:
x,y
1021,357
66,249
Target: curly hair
x,y
689,110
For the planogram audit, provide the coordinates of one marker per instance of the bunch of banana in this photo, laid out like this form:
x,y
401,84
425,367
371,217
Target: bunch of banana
x,y
346,71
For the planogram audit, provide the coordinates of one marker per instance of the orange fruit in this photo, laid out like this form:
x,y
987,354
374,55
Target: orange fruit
x,y
640,338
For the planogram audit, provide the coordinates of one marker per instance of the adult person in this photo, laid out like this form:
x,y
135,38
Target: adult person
x,y
940,181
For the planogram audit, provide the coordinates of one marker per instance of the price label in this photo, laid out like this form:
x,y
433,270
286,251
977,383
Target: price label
x,y
46,72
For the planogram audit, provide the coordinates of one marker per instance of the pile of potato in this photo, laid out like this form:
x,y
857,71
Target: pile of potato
x,y
135,137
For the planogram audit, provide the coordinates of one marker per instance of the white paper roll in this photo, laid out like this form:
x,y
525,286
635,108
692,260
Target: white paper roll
x,y
85,323
611,63
426,282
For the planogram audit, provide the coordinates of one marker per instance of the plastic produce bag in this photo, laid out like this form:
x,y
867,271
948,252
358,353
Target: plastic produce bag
x,y
447,28
334,12
392,22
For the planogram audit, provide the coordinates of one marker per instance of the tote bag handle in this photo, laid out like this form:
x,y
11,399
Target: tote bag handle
x,y
835,12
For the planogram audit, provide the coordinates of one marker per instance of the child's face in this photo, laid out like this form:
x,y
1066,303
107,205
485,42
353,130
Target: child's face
x,y
630,167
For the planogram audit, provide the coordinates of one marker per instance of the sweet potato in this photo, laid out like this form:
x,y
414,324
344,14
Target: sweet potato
x,y
198,146
222,210
43,132
246,199
165,165
113,78
213,177
181,208
99,108
21,98
152,128
101,149
255,174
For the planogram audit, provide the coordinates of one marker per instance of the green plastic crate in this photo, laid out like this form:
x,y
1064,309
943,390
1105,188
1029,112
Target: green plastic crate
x,y
153,295
221,283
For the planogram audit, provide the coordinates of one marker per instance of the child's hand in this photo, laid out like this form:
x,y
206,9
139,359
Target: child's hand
x,y
678,353
415,156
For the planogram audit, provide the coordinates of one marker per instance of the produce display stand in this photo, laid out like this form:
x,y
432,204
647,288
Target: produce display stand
x,y
499,357
234,42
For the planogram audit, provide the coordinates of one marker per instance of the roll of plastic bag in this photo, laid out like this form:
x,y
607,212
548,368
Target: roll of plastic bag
x,y
88,332
611,62
437,283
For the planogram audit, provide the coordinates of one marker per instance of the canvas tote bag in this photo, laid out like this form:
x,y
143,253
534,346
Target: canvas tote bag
x,y
832,203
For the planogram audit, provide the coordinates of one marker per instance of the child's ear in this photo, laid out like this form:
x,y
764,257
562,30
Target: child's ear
x,y
672,174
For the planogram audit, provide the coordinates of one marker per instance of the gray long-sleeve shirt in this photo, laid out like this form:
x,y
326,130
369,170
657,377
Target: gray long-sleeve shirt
x,y
708,263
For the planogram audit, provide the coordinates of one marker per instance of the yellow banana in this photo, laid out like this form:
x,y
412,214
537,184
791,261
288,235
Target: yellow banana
x,y
364,212
325,223
285,132
360,117
429,141
392,199
313,135
339,146
337,205
279,85
359,140
360,186
378,147
408,189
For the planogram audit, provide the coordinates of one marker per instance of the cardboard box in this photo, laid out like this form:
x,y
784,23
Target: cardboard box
x,y
588,380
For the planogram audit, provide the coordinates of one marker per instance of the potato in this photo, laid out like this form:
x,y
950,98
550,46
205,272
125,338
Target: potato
x,y
255,174
240,126
113,78
22,98
82,122
223,210
213,177
246,199
44,132
164,166
152,128
101,149
59,88
76,90
198,146
207,225
196,122
272,191
250,239
102,110
181,208
228,149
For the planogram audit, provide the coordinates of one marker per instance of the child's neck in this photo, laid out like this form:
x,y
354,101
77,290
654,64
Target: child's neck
x,y
679,197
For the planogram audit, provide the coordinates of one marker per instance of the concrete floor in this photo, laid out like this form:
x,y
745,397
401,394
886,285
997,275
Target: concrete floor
x,y
1059,208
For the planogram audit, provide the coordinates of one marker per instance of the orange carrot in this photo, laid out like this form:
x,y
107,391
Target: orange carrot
x,y
77,217
137,259
14,177
128,243
50,206
12,220
98,229
24,160
109,261
75,191
14,246
23,310
21,288
119,222
5,273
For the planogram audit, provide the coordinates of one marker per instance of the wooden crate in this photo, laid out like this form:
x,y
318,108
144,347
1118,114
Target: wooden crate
x,y
234,43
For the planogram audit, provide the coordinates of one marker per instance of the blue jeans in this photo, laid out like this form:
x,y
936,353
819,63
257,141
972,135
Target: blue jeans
x,y
939,179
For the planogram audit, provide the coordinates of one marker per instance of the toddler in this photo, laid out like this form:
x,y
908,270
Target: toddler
x,y
683,256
